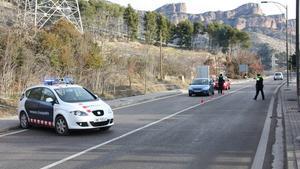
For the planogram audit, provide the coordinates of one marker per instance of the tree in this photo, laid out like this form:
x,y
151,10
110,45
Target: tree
x,y
226,37
150,27
162,28
184,33
163,37
199,28
265,51
132,21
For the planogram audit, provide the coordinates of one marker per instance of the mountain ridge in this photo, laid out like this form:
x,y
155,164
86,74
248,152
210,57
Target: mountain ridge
x,y
246,16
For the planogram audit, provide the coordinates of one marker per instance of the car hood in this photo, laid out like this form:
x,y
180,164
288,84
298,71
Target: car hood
x,y
89,106
199,86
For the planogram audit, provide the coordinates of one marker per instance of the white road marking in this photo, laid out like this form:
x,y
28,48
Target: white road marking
x,y
122,107
11,133
148,101
259,157
133,131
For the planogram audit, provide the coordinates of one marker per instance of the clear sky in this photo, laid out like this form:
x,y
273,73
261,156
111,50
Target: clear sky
x,y
200,6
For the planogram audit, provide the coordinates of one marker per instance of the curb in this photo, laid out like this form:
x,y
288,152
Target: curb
x,y
2,130
12,124
261,150
127,100
120,105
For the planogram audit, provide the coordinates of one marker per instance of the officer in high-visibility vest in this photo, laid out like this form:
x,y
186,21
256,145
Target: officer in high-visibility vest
x,y
259,86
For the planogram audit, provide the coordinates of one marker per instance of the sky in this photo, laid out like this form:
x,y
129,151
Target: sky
x,y
200,6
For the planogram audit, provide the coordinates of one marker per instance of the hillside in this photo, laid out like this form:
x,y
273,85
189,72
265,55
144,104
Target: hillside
x,y
248,17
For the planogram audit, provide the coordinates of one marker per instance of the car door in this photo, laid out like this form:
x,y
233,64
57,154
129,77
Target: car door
x,y
32,102
46,109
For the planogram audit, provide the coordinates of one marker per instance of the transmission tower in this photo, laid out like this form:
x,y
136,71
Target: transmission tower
x,y
46,12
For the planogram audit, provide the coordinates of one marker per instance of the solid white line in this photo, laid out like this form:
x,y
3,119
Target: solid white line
x,y
152,100
259,157
131,132
11,133
16,132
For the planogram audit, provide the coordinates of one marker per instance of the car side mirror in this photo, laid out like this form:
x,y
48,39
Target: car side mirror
x,y
49,100
97,96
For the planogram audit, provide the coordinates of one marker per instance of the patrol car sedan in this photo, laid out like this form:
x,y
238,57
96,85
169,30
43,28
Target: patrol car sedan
x,y
63,107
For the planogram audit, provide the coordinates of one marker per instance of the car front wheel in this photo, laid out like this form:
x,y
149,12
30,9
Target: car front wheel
x,y
24,123
61,126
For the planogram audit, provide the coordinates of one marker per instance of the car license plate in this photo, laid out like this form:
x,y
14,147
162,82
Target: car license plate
x,y
101,119
197,91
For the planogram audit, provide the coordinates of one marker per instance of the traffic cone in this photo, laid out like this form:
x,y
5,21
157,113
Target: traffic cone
x,y
202,101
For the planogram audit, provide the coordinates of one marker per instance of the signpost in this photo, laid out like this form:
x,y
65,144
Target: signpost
x,y
297,51
243,69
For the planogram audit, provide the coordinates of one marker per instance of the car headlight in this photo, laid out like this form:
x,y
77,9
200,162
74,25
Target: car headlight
x,y
109,111
79,113
206,88
190,88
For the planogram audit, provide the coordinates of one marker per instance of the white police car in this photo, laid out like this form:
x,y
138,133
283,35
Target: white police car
x,y
63,107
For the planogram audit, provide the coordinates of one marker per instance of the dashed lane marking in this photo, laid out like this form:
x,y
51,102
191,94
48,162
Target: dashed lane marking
x,y
11,133
132,132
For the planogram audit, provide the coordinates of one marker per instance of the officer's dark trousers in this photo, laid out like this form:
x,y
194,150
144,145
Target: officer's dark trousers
x,y
262,94
220,90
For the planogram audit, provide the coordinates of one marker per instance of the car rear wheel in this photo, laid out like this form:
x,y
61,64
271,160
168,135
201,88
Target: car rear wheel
x,y
24,123
61,126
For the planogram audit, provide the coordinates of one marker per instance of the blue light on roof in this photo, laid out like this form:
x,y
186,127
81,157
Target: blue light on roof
x,y
53,81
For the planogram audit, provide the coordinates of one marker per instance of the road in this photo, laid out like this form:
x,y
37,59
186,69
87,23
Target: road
x,y
180,132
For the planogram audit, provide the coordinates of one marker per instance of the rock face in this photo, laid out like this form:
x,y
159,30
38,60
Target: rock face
x,y
173,8
246,17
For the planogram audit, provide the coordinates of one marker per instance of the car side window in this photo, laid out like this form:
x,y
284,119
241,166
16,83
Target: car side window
x,y
47,93
35,93
27,93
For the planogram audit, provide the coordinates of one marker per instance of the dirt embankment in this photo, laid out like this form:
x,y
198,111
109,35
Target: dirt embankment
x,y
139,72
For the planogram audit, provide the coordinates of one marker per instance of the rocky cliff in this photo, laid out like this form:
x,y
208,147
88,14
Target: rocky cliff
x,y
248,16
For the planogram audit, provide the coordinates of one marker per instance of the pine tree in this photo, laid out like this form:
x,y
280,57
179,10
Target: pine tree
x,y
132,21
150,27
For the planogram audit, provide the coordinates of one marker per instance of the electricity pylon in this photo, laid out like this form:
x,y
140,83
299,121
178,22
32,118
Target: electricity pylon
x,y
41,13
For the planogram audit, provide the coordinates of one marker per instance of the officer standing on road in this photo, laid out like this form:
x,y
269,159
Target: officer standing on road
x,y
259,86
220,83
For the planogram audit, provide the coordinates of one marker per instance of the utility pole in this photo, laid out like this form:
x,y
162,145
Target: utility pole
x,y
286,38
161,59
297,51
287,46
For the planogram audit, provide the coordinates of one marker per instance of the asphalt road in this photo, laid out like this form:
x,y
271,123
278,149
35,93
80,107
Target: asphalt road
x,y
180,132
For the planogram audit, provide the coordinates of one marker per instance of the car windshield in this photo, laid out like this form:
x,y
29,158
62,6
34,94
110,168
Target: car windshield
x,y
75,94
277,74
200,82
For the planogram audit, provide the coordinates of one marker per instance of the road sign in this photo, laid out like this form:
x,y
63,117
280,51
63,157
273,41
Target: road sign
x,y
243,68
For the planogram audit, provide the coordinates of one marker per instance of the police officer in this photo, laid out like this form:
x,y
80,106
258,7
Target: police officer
x,y
259,86
220,83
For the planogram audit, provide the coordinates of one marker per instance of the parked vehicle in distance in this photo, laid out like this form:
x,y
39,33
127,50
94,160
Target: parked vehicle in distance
x,y
278,76
63,107
226,85
201,86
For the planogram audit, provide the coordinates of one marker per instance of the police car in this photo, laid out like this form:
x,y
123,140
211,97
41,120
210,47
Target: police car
x,y
64,106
